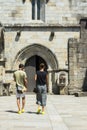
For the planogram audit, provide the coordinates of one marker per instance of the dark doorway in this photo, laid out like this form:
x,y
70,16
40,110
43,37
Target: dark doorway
x,y
31,66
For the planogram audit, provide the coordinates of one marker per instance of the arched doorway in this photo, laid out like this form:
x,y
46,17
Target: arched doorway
x,y
31,66
31,56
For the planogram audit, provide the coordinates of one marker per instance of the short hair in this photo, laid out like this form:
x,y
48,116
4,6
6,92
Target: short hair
x,y
21,66
42,65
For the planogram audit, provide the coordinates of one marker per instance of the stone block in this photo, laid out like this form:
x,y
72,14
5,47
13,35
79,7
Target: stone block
x,y
80,94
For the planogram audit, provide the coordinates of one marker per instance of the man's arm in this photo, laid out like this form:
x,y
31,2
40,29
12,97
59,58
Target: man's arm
x,y
25,82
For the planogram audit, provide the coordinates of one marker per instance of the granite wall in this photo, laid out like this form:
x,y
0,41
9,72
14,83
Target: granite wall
x,y
78,61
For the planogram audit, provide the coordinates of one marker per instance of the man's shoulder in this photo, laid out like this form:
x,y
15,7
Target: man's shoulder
x,y
17,72
23,72
20,72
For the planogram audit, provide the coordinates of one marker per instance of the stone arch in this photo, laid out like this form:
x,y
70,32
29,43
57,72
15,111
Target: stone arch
x,y
39,50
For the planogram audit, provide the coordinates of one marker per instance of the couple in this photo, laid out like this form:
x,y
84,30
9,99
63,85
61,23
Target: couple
x,y
41,78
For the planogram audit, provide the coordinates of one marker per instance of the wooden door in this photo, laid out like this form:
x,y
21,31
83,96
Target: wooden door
x,y
30,68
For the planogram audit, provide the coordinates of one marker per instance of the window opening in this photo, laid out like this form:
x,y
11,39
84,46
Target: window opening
x,y
38,10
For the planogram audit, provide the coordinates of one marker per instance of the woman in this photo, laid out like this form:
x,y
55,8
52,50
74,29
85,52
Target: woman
x,y
41,78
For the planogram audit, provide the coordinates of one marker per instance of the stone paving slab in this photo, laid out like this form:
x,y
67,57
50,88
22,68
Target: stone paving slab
x,y
63,112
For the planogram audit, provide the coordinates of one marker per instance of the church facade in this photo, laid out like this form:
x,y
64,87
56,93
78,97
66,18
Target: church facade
x,y
35,31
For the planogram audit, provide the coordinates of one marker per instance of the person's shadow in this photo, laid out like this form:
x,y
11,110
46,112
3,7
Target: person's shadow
x,y
11,111
30,112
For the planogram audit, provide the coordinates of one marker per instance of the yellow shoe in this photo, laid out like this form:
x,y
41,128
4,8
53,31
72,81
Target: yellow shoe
x,y
19,112
38,111
42,112
22,111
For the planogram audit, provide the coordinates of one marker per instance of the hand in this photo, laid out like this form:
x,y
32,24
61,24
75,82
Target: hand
x,y
24,89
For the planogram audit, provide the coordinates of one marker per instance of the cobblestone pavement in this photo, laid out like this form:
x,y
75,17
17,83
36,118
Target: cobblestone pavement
x,y
63,112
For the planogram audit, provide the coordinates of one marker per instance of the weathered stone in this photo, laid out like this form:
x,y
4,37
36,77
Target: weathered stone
x,y
45,39
80,63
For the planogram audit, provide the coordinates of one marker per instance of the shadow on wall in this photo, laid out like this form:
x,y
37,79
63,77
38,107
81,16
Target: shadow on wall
x,y
85,82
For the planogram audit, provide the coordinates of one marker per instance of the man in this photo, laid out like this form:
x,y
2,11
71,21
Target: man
x,y
20,78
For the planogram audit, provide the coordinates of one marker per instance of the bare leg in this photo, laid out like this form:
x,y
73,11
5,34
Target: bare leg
x,y
43,112
38,107
23,102
18,103
42,108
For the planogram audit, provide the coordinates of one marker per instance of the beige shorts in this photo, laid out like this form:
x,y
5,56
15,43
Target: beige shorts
x,y
18,95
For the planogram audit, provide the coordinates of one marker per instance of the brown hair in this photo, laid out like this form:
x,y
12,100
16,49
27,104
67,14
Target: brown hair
x,y
42,65
21,66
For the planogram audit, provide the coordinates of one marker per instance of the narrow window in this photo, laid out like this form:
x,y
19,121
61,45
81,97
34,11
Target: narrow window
x,y
33,9
38,10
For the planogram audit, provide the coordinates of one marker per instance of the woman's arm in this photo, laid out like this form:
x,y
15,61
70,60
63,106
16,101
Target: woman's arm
x,y
35,77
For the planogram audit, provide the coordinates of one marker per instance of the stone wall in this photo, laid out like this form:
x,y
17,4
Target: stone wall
x,y
41,36
78,61
83,60
61,23
56,11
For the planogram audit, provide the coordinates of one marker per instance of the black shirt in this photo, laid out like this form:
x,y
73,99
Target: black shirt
x,y
41,77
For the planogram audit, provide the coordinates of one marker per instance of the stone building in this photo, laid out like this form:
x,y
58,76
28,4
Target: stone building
x,y
35,31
